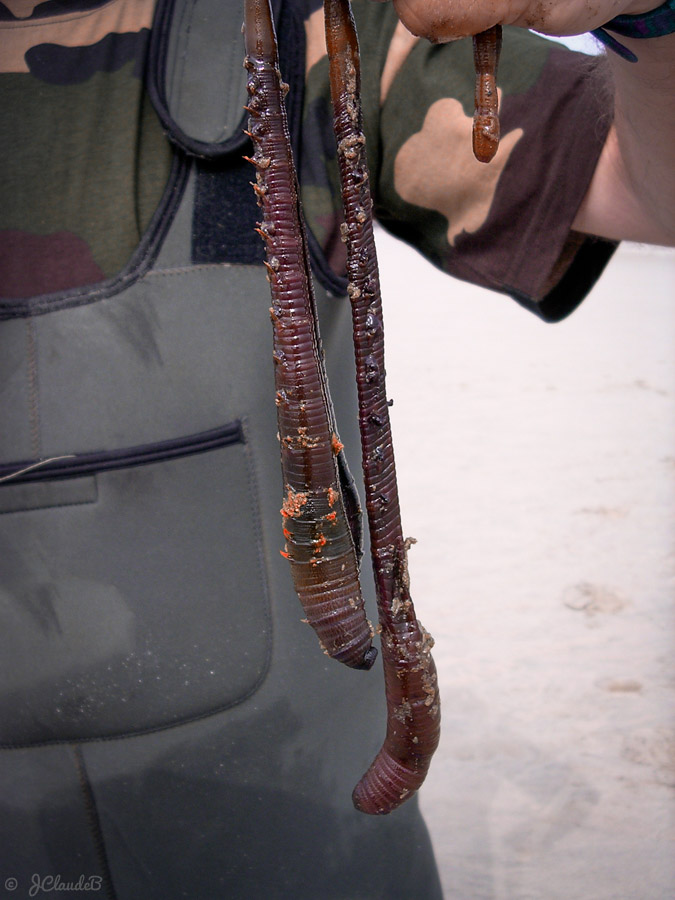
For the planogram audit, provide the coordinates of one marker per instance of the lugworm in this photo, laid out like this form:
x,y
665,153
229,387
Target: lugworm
x,y
319,544
413,706
486,50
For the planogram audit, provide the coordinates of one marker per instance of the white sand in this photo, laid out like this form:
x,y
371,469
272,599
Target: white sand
x,y
537,470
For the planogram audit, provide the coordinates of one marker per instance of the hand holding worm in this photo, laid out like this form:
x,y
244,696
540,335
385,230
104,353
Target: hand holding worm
x,y
446,20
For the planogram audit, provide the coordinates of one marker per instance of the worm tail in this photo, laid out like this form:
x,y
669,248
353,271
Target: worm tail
x,y
413,712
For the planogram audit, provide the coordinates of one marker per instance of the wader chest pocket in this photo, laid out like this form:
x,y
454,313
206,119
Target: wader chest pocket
x,y
115,616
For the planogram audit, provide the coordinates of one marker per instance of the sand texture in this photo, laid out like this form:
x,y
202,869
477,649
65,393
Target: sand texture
x,y
537,471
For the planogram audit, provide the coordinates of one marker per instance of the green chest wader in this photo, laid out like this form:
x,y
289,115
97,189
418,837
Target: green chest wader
x,y
169,727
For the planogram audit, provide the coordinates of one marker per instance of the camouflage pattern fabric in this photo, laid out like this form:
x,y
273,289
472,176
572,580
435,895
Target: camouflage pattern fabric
x,y
505,226
85,160
84,157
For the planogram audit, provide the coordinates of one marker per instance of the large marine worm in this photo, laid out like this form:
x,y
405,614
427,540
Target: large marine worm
x,y
486,50
319,543
413,706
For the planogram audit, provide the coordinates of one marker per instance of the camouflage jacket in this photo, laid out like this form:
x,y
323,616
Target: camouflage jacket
x,y
85,160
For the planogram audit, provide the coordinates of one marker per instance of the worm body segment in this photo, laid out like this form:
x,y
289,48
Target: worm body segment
x,y
318,540
486,51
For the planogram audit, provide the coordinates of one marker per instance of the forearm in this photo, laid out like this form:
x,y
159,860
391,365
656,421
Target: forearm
x,y
632,195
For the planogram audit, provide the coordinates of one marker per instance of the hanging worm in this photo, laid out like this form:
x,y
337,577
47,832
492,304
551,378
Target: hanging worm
x,y
486,49
319,542
413,707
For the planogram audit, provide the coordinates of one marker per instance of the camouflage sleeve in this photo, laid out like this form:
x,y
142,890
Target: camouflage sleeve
x,y
505,226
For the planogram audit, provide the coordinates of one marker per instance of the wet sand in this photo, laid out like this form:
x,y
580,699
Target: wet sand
x,y
537,471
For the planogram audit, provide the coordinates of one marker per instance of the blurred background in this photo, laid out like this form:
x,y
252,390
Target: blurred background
x,y
537,471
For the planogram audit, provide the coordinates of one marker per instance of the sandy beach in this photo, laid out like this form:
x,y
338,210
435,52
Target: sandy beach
x,y
537,471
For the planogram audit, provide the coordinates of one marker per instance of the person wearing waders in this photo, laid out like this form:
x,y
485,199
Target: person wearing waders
x,y
169,726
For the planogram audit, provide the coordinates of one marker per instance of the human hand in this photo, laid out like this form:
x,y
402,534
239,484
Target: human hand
x,y
446,20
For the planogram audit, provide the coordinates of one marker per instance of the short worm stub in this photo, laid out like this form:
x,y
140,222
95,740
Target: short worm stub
x,y
486,50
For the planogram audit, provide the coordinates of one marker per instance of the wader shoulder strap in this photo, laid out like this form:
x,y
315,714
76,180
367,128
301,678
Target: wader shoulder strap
x,y
196,78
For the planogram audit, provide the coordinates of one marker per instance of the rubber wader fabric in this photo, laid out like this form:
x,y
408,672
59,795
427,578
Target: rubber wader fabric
x,y
169,726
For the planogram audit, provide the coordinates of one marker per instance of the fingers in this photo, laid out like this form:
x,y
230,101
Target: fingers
x,y
445,20
440,21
